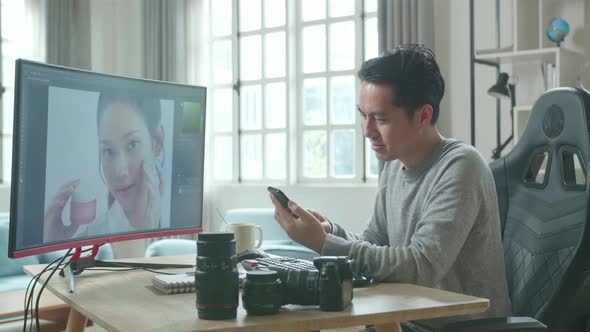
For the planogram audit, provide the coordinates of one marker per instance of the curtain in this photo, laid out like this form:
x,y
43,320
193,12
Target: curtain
x,y
165,47
404,21
164,35
68,33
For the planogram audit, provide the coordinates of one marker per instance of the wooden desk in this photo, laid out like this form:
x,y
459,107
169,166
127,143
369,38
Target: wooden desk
x,y
126,301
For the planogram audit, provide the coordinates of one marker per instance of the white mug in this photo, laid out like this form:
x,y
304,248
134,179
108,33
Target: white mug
x,y
245,236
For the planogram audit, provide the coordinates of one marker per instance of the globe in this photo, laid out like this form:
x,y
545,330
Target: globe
x,y
557,29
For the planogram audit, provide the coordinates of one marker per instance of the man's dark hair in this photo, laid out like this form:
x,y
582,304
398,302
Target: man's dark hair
x,y
413,74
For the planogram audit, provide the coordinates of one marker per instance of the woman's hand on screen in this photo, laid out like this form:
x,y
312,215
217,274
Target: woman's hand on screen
x,y
153,186
53,225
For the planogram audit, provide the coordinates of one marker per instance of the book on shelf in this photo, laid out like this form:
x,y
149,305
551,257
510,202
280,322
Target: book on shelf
x,y
549,73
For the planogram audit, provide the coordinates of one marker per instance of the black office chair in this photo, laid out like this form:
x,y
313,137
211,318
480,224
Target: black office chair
x,y
543,197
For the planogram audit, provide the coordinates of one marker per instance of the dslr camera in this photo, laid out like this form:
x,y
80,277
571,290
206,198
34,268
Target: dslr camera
x,y
335,282
330,286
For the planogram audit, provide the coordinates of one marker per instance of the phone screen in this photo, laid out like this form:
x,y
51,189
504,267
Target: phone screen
x,y
281,197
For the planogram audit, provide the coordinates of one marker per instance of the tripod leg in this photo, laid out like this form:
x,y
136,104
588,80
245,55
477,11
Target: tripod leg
x,y
69,278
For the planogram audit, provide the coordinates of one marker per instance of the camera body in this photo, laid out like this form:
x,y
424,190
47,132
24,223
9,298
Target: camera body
x,y
335,282
330,286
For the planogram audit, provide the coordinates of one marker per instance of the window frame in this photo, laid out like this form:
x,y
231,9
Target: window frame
x,y
263,81
293,80
28,43
359,163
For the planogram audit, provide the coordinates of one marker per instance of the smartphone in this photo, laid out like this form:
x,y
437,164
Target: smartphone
x,y
281,197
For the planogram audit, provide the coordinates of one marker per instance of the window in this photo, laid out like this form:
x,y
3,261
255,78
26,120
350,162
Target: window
x,y
19,31
284,90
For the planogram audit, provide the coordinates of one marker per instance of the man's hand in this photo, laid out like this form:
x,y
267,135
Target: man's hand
x,y
323,219
307,229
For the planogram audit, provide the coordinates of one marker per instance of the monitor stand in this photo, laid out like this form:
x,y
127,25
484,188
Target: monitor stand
x,y
78,264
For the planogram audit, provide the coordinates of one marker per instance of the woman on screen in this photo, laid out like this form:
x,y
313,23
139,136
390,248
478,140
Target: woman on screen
x,y
131,138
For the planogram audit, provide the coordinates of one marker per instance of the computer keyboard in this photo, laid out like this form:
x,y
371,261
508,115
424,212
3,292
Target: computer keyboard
x,y
274,263
289,263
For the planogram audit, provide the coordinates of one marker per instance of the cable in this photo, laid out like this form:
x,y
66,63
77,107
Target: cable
x,y
43,287
31,290
29,293
68,254
111,270
129,268
29,296
27,299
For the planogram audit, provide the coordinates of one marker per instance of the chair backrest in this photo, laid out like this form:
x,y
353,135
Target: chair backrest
x,y
543,198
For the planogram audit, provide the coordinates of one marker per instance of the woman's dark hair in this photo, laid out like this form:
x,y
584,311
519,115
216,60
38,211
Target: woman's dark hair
x,y
148,109
414,75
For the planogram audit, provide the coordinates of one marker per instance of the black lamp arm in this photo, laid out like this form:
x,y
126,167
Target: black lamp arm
x,y
497,152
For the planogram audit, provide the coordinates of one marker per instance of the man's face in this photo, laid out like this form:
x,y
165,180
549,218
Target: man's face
x,y
389,129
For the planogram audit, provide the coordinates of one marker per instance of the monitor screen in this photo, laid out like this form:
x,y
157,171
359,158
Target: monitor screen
x,y
100,158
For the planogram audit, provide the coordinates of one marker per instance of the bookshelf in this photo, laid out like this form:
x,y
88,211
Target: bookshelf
x,y
521,117
528,54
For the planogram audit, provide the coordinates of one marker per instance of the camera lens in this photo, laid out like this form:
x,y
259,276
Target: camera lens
x,y
216,276
301,287
262,293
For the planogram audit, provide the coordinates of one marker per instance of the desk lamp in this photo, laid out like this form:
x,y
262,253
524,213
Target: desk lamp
x,y
502,90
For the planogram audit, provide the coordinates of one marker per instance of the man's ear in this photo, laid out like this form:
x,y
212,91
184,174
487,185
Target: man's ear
x,y
423,116
158,142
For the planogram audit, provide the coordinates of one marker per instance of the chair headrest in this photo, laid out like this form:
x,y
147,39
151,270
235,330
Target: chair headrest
x,y
559,117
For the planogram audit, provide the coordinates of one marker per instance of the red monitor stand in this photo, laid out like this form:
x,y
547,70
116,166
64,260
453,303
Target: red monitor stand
x,y
79,263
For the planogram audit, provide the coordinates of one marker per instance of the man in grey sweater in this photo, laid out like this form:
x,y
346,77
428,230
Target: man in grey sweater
x,y
435,221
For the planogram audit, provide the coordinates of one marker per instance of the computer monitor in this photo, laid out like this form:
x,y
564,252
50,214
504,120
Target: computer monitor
x,y
101,158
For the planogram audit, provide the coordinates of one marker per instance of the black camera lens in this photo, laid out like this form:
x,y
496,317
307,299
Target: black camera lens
x,y
301,287
262,292
216,276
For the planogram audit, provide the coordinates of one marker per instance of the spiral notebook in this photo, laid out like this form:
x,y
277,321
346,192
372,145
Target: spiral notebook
x,y
174,283
184,282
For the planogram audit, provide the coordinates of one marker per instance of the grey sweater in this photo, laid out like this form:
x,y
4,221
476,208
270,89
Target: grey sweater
x,y
435,225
